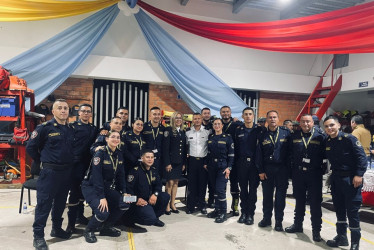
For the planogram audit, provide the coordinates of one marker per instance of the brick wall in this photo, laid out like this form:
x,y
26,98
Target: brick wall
x,y
165,97
287,105
75,91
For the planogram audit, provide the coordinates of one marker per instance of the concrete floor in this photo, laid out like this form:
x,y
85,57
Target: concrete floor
x,y
181,231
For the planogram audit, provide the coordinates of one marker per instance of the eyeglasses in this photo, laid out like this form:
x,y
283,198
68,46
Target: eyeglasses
x,y
86,111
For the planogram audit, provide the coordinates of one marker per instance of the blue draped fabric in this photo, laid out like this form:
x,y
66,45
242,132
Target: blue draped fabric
x,y
198,86
47,65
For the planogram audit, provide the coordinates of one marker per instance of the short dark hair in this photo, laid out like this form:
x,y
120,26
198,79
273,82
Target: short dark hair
x,y
206,108
331,117
217,119
286,122
59,100
248,108
357,119
223,107
306,115
155,108
272,111
137,119
145,151
85,105
196,114
122,107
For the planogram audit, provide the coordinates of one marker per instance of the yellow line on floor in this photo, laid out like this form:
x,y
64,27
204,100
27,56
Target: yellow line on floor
x,y
330,223
130,237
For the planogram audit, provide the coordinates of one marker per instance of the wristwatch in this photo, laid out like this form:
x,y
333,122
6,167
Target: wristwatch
x,y
156,194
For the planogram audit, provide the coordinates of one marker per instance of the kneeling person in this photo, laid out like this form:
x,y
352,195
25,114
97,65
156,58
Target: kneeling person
x,y
104,187
144,182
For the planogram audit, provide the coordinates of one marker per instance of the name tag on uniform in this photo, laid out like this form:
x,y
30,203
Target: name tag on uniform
x,y
306,160
134,142
297,141
283,140
53,134
315,142
155,151
106,162
241,135
328,148
221,142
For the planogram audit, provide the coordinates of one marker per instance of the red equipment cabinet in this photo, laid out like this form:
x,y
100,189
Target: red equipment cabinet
x,y
21,95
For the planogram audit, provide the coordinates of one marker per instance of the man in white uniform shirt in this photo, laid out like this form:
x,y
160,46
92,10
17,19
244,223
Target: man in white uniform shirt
x,y
197,141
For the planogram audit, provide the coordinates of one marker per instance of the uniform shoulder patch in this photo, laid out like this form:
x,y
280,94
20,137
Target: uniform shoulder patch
x,y
166,133
136,168
44,123
96,160
130,178
358,143
232,145
34,134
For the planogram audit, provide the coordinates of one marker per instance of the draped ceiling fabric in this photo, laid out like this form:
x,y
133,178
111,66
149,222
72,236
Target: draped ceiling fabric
x,y
31,10
47,65
344,31
198,86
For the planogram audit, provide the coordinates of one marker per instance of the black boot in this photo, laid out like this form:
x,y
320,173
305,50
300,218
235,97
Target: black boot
x,y
249,220
89,236
339,240
40,244
278,226
242,218
264,223
213,214
110,231
71,229
294,228
317,236
221,218
60,233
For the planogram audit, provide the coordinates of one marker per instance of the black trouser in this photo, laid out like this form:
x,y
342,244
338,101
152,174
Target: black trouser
x,y
248,181
217,178
75,196
197,182
51,193
234,183
347,201
310,182
277,177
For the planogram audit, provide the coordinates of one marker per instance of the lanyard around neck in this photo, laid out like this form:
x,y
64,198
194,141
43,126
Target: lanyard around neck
x,y
111,158
306,144
276,137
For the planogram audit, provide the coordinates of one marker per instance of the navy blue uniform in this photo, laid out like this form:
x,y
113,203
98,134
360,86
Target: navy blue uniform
x,y
347,159
132,149
209,127
144,183
100,141
271,159
106,179
245,151
174,152
153,137
229,128
220,156
84,135
51,145
307,153
125,128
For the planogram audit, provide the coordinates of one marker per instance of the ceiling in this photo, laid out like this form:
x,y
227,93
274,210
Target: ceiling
x,y
288,9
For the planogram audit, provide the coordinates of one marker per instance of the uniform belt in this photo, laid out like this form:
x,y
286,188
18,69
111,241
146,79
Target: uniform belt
x,y
55,166
197,158
217,160
342,173
304,169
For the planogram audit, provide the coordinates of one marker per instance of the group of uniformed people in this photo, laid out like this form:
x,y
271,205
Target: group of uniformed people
x,y
124,162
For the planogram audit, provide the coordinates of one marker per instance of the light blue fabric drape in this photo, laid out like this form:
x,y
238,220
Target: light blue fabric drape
x,y
198,86
47,65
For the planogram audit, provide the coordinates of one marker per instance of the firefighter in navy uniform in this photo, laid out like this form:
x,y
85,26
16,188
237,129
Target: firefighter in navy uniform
x,y
348,163
220,159
307,153
134,144
51,147
229,126
272,164
144,182
84,134
245,141
104,187
123,114
153,134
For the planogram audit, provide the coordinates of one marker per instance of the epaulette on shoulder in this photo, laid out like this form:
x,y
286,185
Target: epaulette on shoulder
x,y
101,149
281,127
136,168
45,123
345,134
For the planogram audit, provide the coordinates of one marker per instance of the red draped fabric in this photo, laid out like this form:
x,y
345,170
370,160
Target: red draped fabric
x,y
344,31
